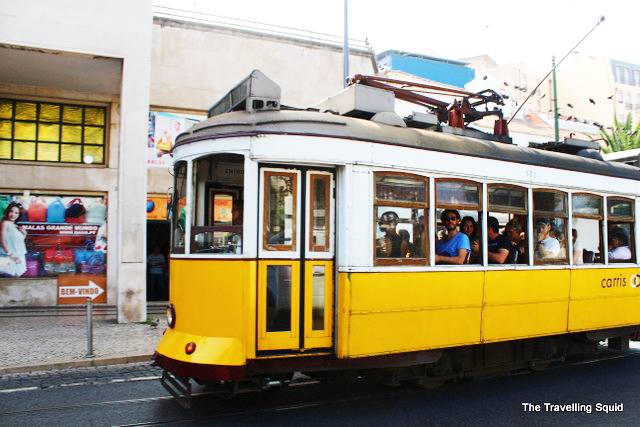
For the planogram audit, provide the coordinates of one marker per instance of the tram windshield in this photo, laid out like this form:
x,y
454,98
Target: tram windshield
x,y
218,196
178,206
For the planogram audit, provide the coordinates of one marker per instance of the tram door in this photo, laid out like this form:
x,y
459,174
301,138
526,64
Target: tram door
x,y
295,259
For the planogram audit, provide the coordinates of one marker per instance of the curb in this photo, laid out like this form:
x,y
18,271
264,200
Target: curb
x,y
77,364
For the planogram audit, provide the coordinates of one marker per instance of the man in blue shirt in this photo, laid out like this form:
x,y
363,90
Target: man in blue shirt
x,y
454,246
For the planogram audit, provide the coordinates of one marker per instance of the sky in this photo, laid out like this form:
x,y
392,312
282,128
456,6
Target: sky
x,y
508,31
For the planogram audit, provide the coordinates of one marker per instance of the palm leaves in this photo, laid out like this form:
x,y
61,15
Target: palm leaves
x,y
623,136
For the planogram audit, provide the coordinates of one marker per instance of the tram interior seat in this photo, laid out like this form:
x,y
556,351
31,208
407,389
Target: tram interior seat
x,y
587,256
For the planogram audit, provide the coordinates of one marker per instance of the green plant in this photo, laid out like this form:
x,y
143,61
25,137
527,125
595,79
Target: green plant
x,y
623,135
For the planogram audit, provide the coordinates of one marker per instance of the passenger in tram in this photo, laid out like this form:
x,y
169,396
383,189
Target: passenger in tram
x,y
454,246
389,245
499,247
619,249
547,246
577,248
420,231
469,227
405,243
515,232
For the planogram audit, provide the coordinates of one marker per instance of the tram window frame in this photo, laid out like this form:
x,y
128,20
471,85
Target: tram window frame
x,y
179,193
520,214
221,238
320,244
577,215
380,204
267,240
461,208
622,221
551,216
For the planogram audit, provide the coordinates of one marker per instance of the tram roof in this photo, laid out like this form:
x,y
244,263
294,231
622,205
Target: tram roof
x,y
313,123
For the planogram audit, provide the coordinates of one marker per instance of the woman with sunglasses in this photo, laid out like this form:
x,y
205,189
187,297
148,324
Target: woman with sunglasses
x,y
454,246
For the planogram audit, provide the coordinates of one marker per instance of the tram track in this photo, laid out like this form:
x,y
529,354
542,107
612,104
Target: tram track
x,y
634,353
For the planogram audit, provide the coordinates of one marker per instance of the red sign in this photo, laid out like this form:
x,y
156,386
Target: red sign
x,y
76,288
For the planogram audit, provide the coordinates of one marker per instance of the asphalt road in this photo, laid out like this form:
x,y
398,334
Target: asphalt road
x,y
580,391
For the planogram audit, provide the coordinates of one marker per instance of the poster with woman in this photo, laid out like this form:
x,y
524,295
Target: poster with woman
x,y
164,128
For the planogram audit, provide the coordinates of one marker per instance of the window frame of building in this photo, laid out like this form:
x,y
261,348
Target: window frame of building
x,y
53,132
627,76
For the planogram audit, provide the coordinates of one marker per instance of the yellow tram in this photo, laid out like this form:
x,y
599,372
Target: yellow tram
x,y
279,264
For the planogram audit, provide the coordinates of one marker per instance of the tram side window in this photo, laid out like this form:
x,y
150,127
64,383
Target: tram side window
x,y
459,209
508,205
400,209
550,215
218,204
586,229
178,205
620,227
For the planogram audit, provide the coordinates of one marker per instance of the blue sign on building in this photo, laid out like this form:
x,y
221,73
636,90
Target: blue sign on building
x,y
451,72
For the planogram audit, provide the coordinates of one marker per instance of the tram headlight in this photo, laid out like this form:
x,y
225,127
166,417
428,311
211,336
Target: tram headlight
x,y
171,316
190,348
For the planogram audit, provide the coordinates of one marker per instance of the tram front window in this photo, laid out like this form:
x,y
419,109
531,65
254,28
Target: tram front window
x,y
178,205
218,204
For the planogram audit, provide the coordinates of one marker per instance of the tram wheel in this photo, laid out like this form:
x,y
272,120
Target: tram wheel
x,y
539,366
429,383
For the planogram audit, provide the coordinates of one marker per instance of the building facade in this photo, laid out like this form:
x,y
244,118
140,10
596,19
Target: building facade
x,y
83,96
599,89
74,89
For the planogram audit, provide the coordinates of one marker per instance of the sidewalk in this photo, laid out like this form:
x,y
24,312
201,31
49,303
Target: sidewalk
x,y
45,338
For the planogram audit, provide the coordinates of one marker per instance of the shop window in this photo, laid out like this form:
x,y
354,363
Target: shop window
x,y
586,229
218,204
49,235
620,228
51,132
508,204
462,200
550,233
400,209
177,212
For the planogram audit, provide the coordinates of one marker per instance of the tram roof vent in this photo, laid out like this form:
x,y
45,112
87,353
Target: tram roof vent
x,y
359,101
579,147
255,93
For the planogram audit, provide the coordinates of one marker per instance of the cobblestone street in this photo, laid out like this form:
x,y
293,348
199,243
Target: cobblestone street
x,y
75,376
53,339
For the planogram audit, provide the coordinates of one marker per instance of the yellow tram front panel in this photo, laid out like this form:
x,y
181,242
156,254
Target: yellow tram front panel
x,y
382,313
526,303
213,300
604,298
